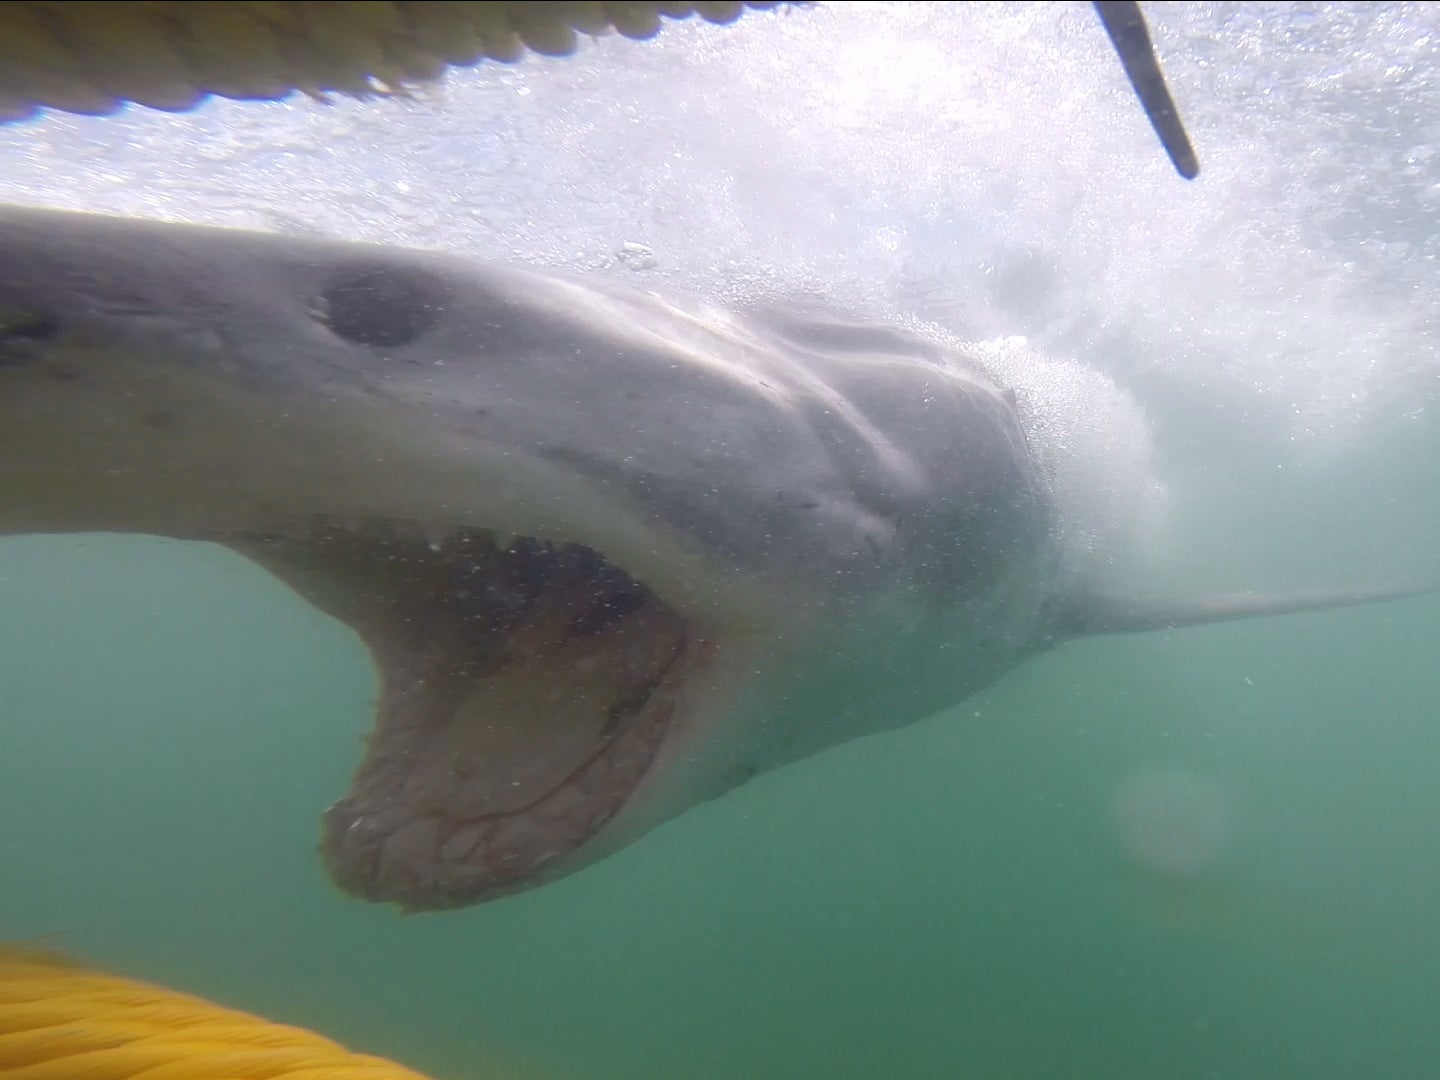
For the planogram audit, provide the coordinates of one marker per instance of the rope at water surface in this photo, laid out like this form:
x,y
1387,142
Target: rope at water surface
x,y
93,57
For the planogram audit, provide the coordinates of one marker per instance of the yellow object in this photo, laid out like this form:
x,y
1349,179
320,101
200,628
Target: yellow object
x,y
86,57
62,1021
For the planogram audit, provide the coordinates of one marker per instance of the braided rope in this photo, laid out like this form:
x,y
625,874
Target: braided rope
x,y
62,1021
92,57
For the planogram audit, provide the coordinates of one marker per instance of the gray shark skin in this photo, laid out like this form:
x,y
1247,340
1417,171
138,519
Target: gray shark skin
x,y
612,555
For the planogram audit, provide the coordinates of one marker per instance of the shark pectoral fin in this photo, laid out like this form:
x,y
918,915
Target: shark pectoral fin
x,y
1099,614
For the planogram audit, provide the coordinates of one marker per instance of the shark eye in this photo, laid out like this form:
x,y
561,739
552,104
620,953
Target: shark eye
x,y
383,306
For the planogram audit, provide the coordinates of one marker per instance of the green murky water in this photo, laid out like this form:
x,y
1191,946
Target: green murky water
x,y
959,899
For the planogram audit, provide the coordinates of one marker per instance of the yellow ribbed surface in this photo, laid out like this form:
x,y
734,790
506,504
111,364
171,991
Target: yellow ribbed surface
x,y
86,57
62,1021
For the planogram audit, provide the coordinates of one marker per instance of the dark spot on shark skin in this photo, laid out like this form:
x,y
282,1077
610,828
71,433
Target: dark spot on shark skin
x,y
381,306
21,332
798,502
159,419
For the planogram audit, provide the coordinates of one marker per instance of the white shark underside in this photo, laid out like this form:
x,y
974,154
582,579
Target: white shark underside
x,y
612,554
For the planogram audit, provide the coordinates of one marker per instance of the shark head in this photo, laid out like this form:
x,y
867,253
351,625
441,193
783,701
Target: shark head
x,y
611,554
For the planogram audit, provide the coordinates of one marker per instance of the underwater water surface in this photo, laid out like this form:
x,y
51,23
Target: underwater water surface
x,y
1202,854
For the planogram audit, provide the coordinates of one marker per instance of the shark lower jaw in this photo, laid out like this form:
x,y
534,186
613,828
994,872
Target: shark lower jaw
x,y
527,685
526,690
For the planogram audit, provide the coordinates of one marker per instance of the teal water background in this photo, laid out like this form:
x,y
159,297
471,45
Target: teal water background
x,y
953,899
983,894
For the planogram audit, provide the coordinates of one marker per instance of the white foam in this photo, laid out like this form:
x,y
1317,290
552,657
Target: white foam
x,y
1092,442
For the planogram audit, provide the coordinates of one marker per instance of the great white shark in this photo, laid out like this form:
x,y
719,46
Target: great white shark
x,y
612,553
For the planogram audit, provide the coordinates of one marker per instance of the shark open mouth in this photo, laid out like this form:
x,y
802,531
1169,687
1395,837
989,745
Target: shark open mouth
x,y
525,689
